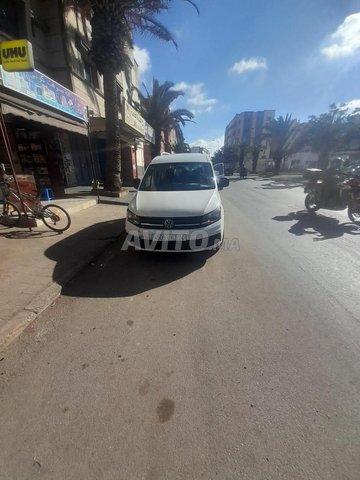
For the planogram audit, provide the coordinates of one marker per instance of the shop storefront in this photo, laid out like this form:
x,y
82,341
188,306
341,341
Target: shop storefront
x,y
46,124
135,134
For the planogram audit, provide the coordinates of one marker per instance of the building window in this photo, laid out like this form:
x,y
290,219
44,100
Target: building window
x,y
86,66
90,74
9,18
119,96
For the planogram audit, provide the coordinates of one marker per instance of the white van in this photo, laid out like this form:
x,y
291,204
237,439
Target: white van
x,y
177,206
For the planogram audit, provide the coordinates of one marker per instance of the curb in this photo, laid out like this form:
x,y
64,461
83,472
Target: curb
x,y
73,205
24,317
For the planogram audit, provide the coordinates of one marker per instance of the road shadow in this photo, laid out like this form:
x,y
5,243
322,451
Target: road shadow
x,y
115,272
25,234
280,185
322,227
74,252
238,179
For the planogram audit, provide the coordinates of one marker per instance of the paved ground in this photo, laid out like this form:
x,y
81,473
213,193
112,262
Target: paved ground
x,y
31,261
242,365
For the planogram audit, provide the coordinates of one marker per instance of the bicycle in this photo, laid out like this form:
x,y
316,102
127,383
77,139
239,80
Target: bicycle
x,y
53,216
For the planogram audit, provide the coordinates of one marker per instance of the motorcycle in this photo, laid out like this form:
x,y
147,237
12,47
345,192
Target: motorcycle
x,y
333,190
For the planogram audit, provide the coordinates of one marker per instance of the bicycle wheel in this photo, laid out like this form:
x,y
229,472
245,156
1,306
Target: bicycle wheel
x,y
9,214
56,218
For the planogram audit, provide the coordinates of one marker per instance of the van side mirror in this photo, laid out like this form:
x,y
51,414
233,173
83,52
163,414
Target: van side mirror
x,y
136,183
222,182
225,182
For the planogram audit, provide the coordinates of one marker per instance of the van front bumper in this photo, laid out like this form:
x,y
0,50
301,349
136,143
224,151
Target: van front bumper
x,y
195,240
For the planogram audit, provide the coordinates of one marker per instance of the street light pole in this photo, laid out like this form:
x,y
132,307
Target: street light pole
x,y
89,113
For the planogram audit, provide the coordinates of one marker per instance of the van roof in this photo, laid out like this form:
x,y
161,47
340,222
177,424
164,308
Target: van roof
x,y
181,157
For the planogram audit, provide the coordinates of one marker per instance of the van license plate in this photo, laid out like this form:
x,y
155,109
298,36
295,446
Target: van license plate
x,y
173,237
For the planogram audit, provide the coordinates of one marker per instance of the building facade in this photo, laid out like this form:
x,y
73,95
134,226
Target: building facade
x,y
55,115
302,159
246,128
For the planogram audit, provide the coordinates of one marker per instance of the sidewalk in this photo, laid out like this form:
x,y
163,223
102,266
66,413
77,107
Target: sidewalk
x,y
35,265
85,192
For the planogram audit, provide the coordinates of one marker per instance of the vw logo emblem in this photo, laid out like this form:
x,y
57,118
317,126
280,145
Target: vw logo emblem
x,y
169,223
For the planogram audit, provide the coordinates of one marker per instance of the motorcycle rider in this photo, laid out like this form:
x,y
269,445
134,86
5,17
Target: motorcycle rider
x,y
331,177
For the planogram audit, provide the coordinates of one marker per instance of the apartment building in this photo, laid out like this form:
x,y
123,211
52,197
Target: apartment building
x,y
53,112
246,128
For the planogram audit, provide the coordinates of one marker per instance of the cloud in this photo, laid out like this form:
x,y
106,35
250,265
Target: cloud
x,y
351,108
142,58
196,97
345,41
249,65
212,144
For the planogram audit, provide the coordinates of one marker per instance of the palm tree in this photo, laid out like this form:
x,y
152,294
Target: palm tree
x,y
327,132
112,23
181,146
156,111
279,132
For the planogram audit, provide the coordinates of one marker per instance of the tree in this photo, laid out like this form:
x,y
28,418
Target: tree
x,y
112,23
218,156
155,108
279,132
242,150
330,131
255,151
182,147
231,155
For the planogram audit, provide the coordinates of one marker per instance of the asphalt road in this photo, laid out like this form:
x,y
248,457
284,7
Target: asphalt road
x,y
241,365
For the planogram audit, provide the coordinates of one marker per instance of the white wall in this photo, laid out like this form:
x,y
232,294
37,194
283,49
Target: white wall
x,y
302,160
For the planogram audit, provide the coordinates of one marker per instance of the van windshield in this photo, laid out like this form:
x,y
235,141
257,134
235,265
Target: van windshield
x,y
178,176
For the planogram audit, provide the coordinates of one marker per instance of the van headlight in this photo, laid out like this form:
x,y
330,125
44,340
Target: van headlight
x,y
211,217
132,218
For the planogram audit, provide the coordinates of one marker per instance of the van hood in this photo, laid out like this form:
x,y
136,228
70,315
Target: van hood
x,y
175,204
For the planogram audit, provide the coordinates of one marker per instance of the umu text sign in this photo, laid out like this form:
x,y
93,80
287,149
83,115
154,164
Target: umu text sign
x,y
17,56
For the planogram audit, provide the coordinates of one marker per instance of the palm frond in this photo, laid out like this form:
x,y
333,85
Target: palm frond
x,y
194,5
147,24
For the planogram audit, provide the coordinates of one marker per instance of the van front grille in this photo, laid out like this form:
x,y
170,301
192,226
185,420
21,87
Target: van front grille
x,y
179,223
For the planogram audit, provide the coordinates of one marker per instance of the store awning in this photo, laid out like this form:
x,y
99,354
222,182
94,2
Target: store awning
x,y
29,111
127,133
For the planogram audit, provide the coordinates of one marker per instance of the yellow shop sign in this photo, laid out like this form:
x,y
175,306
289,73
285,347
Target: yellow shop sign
x,y
17,56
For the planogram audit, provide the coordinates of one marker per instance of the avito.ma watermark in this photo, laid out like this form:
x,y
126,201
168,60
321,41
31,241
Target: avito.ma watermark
x,y
189,241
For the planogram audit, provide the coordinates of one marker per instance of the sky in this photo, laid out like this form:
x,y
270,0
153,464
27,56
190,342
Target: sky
x,y
293,56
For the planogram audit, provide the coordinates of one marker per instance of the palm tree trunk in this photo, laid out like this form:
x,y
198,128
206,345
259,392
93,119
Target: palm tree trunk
x,y
112,181
167,141
156,147
277,161
255,159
